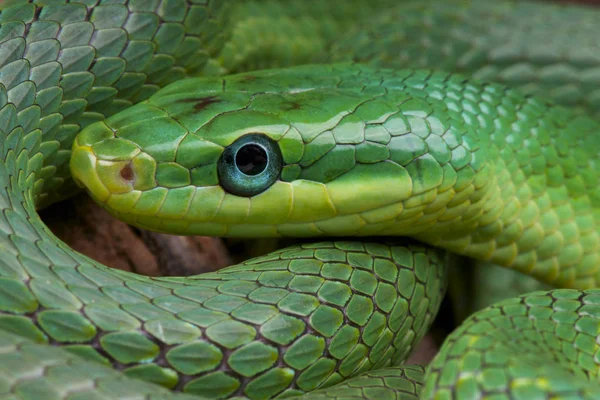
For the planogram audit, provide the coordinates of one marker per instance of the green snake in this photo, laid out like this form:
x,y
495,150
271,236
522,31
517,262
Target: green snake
x,y
404,170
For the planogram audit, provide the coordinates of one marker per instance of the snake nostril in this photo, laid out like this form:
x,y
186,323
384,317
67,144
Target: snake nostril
x,y
127,173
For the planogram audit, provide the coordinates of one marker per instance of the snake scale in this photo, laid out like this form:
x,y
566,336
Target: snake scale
x,y
351,145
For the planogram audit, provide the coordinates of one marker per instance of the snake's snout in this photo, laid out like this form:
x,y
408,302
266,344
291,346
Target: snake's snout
x,y
108,167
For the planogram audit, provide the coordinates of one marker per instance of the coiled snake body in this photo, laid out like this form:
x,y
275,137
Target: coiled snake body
x,y
362,152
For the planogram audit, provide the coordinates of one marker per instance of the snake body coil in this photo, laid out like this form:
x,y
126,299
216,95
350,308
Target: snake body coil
x,y
465,167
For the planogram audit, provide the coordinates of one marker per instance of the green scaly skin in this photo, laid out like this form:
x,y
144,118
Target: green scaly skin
x,y
394,153
519,44
167,332
306,317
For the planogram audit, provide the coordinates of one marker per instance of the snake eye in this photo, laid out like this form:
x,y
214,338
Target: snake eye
x,y
249,165
251,159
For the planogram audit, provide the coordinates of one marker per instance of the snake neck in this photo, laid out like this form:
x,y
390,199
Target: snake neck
x,y
535,206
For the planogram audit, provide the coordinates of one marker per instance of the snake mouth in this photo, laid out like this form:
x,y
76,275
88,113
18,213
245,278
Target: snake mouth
x,y
84,173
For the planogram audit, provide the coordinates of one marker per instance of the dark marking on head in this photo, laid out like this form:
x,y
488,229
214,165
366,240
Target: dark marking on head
x,y
202,102
127,173
291,105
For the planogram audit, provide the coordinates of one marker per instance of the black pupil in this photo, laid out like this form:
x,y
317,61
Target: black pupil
x,y
251,159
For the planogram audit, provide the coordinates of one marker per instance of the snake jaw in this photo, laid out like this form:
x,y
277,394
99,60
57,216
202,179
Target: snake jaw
x,y
101,178
83,167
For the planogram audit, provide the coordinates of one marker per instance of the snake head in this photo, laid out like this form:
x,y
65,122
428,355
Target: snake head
x,y
304,151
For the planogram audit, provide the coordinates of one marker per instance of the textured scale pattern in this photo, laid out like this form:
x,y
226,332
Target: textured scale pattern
x,y
519,44
401,383
516,43
30,370
328,305
501,42
64,66
305,317
435,147
291,32
543,345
